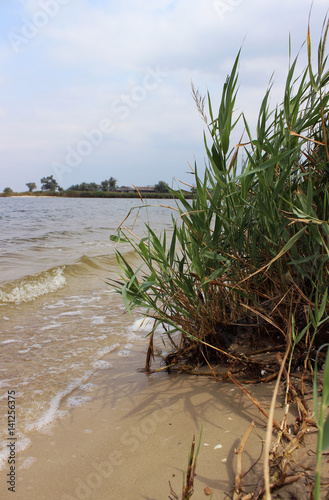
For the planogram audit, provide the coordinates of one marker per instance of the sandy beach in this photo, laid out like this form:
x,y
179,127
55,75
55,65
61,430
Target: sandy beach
x,y
134,435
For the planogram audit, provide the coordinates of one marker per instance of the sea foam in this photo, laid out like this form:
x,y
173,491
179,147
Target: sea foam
x,y
46,421
31,288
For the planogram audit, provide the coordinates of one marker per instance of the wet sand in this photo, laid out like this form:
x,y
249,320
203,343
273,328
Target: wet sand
x,y
134,436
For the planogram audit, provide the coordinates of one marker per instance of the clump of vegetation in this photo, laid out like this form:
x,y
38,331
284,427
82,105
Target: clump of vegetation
x,y
245,269
247,263
188,481
32,186
49,184
107,185
162,187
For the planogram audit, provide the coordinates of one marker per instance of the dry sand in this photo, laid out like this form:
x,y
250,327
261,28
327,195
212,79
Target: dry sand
x,y
134,436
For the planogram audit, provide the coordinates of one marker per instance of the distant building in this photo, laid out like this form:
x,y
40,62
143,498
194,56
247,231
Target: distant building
x,y
131,189
125,189
146,189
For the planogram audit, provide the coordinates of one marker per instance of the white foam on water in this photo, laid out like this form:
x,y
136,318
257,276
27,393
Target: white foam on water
x,y
27,463
133,337
107,349
52,325
45,422
30,289
76,365
10,341
71,313
75,401
84,300
124,353
2,384
101,364
87,387
143,325
21,444
60,303
98,320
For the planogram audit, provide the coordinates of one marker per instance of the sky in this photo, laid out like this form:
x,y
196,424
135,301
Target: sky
x,y
97,88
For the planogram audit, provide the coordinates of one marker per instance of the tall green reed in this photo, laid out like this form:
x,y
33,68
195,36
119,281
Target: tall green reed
x,y
252,246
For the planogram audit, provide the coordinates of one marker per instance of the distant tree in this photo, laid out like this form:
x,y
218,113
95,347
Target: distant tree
x,y
162,187
112,184
31,186
105,185
7,191
89,186
74,187
49,184
83,186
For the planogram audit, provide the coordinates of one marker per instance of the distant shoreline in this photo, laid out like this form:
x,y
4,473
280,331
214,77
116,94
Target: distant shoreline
x,y
87,194
27,196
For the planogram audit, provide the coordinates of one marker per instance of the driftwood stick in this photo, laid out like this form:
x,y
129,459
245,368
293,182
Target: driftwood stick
x,y
301,404
239,452
277,484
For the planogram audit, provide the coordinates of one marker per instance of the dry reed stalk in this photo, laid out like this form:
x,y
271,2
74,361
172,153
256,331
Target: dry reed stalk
x,y
239,452
270,429
260,491
190,474
302,406
150,354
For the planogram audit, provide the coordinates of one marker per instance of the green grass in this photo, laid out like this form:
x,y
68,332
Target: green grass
x,y
250,250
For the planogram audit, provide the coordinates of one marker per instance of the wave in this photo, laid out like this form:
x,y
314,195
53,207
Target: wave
x,y
33,287
106,263
41,238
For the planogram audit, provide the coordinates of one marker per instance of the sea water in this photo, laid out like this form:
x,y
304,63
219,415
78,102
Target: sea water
x,y
59,317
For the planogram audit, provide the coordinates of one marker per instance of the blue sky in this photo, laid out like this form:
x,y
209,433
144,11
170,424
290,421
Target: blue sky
x,y
98,88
